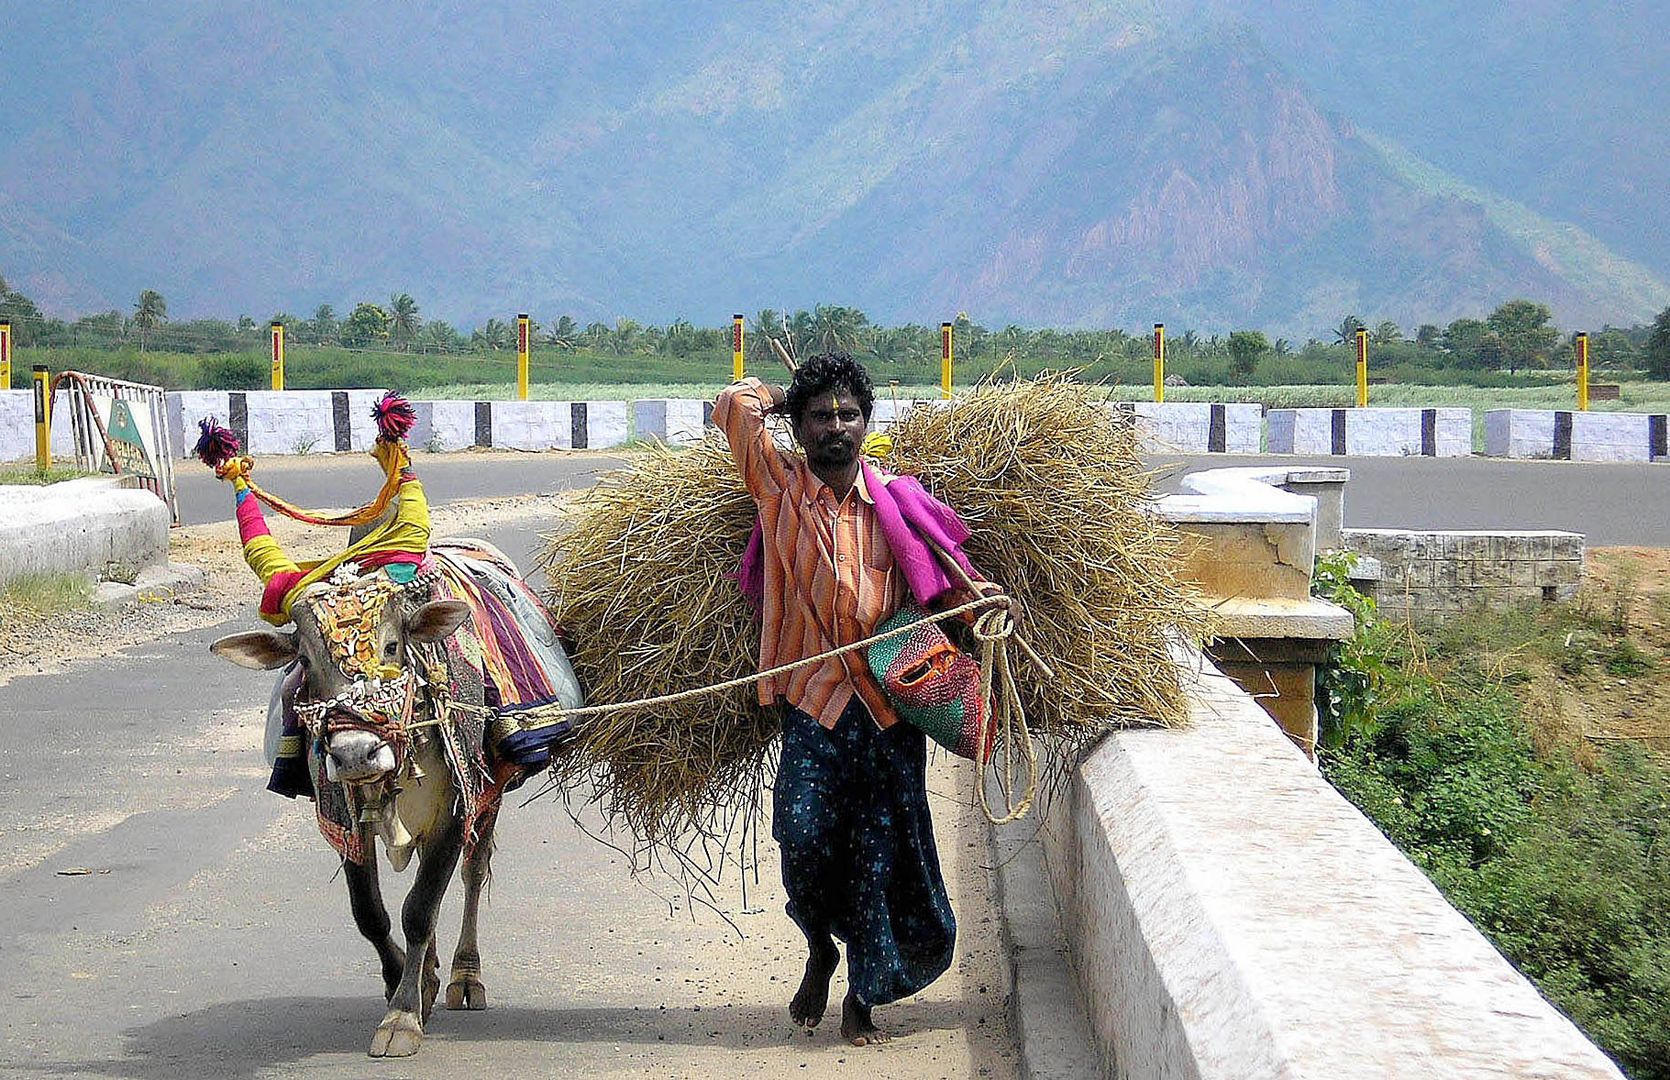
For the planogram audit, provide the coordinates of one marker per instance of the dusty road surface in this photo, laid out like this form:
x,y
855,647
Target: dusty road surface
x,y
161,915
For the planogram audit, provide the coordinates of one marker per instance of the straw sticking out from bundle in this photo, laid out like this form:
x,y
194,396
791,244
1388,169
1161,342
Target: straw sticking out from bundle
x,y
1053,489
640,584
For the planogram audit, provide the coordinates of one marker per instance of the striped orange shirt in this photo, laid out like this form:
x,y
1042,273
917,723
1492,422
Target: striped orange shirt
x,y
829,575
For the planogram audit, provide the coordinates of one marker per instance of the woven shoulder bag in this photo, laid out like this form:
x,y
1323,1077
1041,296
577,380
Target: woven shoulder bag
x,y
932,684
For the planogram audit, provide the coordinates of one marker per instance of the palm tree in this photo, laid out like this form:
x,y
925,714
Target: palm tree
x,y
1346,332
150,312
563,333
837,329
493,335
403,319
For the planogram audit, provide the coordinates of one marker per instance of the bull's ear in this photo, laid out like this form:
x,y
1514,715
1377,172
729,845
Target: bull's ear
x,y
261,650
436,620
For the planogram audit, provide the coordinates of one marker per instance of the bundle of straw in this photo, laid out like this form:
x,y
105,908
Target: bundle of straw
x,y
639,583
1052,487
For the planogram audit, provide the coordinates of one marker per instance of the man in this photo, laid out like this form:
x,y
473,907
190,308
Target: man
x,y
850,808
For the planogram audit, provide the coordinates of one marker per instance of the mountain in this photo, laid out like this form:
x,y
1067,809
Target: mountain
x,y
1108,163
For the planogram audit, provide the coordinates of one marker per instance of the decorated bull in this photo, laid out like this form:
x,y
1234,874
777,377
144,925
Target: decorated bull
x,y
403,676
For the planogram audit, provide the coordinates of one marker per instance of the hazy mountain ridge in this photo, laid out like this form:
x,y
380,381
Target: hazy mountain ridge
x,y
1072,164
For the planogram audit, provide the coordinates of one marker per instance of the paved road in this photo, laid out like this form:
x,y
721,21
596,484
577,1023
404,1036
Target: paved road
x,y
209,935
1611,504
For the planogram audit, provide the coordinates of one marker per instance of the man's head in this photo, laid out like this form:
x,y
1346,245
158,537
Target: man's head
x,y
828,404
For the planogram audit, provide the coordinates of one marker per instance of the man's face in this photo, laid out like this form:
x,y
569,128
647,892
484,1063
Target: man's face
x,y
832,429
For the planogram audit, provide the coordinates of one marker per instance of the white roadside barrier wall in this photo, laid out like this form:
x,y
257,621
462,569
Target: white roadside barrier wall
x,y
1190,427
1372,432
79,526
1230,915
17,425
339,421
1568,435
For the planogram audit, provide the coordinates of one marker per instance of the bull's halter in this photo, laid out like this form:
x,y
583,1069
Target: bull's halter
x,y
379,697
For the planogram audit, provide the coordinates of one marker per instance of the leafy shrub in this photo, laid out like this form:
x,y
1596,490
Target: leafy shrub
x,y
1348,681
1567,871
233,371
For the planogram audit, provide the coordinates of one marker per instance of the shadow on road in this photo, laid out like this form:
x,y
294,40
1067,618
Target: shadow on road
x,y
244,1039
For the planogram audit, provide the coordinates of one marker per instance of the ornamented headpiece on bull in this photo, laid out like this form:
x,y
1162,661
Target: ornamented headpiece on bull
x,y
399,515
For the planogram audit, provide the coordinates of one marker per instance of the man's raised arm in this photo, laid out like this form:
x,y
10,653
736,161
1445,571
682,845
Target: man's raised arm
x,y
740,413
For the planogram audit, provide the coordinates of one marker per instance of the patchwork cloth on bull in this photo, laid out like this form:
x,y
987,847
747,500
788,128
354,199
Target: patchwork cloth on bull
x,y
467,688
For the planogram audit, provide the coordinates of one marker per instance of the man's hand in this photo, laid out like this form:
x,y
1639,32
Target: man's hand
x,y
777,394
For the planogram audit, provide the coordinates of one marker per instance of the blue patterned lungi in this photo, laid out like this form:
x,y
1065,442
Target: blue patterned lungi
x,y
850,812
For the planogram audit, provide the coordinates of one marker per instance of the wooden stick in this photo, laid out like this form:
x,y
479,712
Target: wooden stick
x,y
783,355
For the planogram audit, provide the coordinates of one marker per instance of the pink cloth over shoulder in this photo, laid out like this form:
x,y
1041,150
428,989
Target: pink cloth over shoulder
x,y
909,518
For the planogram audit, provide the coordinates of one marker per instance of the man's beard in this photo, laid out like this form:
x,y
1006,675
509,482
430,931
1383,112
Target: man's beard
x,y
836,453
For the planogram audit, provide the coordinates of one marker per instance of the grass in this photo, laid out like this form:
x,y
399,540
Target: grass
x,y
29,475
31,598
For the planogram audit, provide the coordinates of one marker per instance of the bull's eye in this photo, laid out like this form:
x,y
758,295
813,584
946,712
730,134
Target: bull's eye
x,y
391,648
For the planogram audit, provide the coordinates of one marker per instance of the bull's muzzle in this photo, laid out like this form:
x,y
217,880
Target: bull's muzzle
x,y
357,757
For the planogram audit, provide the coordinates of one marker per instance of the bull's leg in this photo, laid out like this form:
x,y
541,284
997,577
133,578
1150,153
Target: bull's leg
x,y
465,990
401,1032
365,897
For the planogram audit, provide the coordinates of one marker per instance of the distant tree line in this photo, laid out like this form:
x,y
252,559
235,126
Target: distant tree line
x,y
1518,336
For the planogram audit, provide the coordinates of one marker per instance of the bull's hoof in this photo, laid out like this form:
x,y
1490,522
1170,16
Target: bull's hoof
x,y
399,1035
466,992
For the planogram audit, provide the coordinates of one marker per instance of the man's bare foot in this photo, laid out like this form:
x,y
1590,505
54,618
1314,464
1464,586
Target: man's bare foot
x,y
813,996
856,1027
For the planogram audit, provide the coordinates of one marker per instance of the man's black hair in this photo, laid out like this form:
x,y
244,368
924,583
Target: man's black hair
x,y
827,373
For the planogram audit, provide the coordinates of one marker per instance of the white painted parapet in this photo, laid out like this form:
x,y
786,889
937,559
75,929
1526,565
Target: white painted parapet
x,y
1231,917
78,527
1191,427
676,421
17,425
340,421
1372,432
1566,435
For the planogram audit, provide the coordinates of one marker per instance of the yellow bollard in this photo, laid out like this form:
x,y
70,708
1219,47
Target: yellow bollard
x,y
1159,362
523,327
1362,367
736,349
945,358
278,355
1582,346
43,420
5,354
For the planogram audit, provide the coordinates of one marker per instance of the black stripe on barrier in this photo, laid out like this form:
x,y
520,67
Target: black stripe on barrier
x,y
1216,432
484,423
707,414
577,437
1429,432
1336,443
1658,428
237,417
1125,414
1562,436
339,421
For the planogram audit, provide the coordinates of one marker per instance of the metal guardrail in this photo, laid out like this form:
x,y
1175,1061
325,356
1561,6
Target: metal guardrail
x,y
94,445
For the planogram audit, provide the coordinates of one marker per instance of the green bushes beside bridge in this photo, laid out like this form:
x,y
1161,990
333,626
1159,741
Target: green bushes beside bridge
x,y
1557,850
